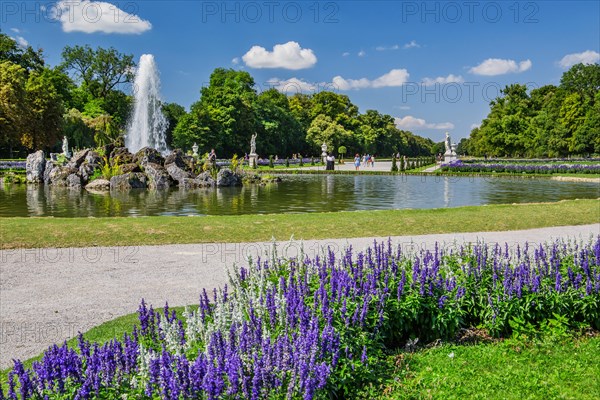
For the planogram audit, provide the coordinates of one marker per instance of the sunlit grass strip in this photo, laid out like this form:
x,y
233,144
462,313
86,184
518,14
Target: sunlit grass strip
x,y
126,231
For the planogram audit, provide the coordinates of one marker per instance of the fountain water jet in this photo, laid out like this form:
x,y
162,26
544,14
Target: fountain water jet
x,y
147,124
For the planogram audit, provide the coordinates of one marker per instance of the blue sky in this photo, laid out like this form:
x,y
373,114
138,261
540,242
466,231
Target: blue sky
x,y
434,66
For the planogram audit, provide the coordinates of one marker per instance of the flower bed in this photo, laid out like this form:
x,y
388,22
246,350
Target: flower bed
x,y
312,328
460,166
531,160
12,165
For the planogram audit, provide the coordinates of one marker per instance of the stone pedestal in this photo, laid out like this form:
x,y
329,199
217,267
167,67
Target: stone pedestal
x,y
253,160
449,156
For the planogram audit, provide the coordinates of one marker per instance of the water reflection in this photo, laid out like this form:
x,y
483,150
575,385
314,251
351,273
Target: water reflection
x,y
295,194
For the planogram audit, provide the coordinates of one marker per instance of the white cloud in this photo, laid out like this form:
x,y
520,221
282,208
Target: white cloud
x,y
402,107
443,80
396,77
410,122
292,85
21,41
15,30
235,61
411,44
473,126
384,48
498,66
362,53
98,16
586,57
288,55
345,54
348,84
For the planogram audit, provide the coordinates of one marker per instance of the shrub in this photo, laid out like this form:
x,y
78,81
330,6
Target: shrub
x,y
108,171
235,163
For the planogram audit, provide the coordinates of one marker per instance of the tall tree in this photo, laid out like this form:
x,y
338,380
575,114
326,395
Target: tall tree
x,y
280,132
225,115
324,130
45,105
173,113
100,70
26,57
13,104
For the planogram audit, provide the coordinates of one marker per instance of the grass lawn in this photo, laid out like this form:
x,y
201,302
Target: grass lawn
x,y
511,369
126,231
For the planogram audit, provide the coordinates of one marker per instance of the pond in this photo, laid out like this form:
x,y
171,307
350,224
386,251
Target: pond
x,y
296,194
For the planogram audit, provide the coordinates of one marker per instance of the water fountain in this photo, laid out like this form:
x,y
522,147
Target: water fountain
x,y
147,124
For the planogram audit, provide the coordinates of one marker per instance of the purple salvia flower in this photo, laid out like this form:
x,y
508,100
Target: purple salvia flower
x,y
442,301
363,357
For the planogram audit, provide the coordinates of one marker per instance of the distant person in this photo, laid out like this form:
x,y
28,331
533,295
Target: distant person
x,y
357,161
372,160
330,162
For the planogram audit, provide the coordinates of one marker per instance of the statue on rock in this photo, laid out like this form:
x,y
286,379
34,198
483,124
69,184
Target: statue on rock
x,y
253,144
65,148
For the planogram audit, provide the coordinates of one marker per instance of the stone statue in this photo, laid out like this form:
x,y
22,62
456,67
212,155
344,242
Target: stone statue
x,y
65,147
253,144
450,154
448,144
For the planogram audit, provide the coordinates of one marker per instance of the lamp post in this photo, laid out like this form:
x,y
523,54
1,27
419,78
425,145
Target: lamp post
x,y
324,152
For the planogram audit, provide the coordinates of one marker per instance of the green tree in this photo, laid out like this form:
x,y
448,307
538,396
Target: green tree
x,y
583,79
337,107
100,70
173,113
77,131
13,107
324,130
550,121
28,58
226,111
463,146
44,125
99,74
193,128
279,131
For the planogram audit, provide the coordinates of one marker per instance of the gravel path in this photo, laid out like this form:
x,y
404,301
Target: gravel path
x,y
48,295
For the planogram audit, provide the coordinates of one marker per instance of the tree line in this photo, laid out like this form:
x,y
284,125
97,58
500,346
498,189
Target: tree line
x,y
550,121
84,98
230,110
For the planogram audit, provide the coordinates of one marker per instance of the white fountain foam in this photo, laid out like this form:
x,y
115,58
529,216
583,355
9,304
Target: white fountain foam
x,y
147,124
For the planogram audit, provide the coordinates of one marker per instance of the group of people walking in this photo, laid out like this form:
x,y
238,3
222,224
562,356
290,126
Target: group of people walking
x,y
365,160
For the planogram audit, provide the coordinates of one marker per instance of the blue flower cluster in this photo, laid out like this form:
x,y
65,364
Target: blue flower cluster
x,y
12,165
311,327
